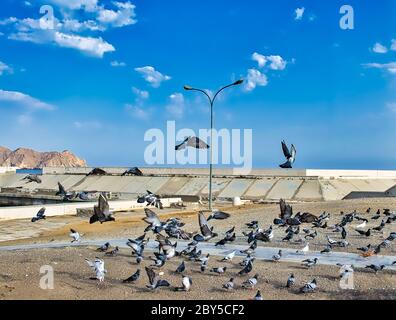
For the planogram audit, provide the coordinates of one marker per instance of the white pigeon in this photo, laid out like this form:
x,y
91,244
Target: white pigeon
x,y
362,225
187,282
305,249
98,267
75,235
229,256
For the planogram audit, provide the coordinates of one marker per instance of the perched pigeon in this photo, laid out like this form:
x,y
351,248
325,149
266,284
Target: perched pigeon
x,y
75,235
229,285
250,283
154,280
277,256
40,215
113,252
258,296
181,268
133,278
327,249
218,215
310,262
97,172
247,269
204,262
186,284
219,270
289,155
135,171
309,287
229,256
193,142
375,268
290,281
98,266
104,247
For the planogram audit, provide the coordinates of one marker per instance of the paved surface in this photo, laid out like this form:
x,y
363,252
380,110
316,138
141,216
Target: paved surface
x,y
261,253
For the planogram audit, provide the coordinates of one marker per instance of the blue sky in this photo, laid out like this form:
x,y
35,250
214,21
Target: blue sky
x,y
81,86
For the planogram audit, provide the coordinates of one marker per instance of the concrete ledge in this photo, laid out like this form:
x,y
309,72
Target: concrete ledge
x,y
52,210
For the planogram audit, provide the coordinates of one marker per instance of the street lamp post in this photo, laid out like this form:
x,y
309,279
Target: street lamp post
x,y
211,102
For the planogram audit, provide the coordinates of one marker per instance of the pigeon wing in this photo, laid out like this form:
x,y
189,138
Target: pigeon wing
x,y
150,274
104,206
41,212
203,224
151,217
285,150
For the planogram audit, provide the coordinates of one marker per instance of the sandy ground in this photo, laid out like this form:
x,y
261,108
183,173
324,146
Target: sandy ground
x,y
19,270
71,279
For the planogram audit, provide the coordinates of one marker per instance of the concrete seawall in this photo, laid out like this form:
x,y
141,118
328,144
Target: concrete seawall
x,y
271,185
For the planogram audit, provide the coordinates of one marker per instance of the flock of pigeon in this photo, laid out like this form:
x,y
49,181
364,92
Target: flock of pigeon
x,y
287,222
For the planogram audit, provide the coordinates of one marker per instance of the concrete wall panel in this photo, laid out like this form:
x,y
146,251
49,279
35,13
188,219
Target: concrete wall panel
x,y
284,189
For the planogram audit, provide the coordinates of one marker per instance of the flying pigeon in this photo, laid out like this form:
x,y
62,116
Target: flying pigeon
x,y
290,156
101,211
155,281
207,233
186,284
133,278
75,235
135,171
151,199
229,285
98,266
40,215
32,178
66,196
193,142
166,246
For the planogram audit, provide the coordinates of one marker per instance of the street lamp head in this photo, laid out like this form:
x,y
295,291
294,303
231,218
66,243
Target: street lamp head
x,y
238,82
187,88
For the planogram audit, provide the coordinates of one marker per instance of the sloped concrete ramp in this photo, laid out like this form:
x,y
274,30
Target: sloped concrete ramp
x,y
271,185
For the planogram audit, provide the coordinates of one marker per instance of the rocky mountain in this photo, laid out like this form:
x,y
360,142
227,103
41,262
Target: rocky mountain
x,y
28,158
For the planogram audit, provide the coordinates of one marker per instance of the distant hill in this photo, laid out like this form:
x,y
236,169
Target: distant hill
x,y
28,158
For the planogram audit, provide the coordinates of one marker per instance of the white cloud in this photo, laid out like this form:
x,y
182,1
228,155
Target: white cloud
x,y
390,67
176,106
24,100
299,13
116,63
27,3
92,46
261,59
255,78
5,69
141,94
155,78
379,48
277,62
393,46
124,16
137,112
87,5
